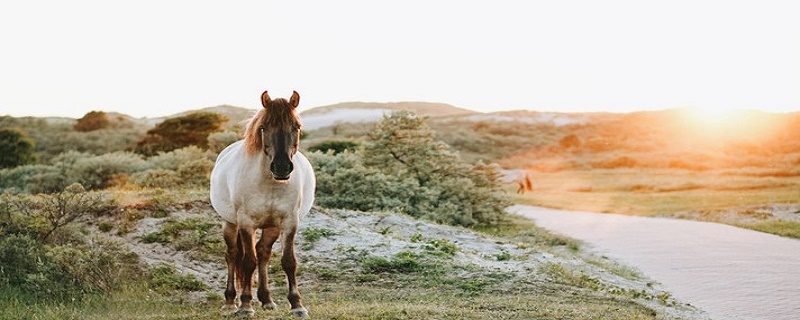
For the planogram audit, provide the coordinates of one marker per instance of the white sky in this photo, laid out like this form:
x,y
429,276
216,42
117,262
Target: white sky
x,y
155,58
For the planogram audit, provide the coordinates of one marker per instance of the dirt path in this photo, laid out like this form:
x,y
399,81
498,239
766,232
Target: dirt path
x,y
729,272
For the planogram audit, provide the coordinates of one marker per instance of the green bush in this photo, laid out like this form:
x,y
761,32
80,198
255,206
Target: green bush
x,y
156,178
64,271
21,255
344,182
93,172
98,266
196,172
165,278
32,179
404,169
15,149
173,160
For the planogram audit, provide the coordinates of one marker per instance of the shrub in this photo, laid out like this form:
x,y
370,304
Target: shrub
x,y
93,172
173,160
404,169
100,266
58,210
94,120
64,271
344,182
32,179
336,146
15,149
218,141
461,193
21,255
196,172
156,178
174,133
165,278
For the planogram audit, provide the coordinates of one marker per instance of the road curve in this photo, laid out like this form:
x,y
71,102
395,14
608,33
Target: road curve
x,y
729,272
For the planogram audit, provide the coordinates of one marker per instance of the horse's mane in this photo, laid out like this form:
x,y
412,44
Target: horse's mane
x,y
280,114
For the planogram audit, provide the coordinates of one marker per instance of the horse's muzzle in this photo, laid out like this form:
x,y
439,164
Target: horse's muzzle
x,y
281,170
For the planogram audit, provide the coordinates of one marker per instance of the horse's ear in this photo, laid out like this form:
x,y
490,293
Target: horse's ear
x,y
295,99
265,99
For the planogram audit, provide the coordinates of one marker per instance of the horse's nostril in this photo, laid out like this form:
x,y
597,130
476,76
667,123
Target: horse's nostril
x,y
281,169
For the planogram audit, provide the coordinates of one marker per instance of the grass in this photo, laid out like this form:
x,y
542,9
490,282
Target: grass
x,y
200,236
784,228
311,235
435,292
421,283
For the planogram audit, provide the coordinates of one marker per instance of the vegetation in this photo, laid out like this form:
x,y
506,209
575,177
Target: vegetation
x,y
335,146
15,149
94,120
77,190
402,168
179,132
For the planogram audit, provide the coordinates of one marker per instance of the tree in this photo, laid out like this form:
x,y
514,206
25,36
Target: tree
x,y
175,133
94,120
15,149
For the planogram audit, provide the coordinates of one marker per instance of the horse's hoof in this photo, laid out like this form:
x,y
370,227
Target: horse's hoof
x,y
299,312
229,309
269,306
245,312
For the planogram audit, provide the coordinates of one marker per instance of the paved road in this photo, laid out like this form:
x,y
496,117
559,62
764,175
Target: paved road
x,y
729,272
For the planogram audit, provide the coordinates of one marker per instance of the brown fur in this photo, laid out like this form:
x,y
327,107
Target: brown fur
x,y
278,113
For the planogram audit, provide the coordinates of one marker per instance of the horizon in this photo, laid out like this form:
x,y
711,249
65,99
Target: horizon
x,y
617,56
701,111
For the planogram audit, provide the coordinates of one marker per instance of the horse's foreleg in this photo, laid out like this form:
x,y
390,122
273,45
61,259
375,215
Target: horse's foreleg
x,y
289,264
246,268
264,248
232,257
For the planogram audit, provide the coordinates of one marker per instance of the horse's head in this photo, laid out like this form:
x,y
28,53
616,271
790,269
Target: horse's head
x,y
280,134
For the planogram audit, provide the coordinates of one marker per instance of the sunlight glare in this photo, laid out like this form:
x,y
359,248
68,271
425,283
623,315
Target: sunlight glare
x,y
715,118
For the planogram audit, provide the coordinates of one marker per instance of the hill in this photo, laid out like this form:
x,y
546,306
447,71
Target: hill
x,y
363,112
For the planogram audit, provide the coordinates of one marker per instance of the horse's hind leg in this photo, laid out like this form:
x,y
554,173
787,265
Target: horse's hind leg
x,y
289,264
232,257
264,249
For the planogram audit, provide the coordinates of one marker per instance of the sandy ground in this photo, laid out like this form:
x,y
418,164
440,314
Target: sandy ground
x,y
384,235
731,273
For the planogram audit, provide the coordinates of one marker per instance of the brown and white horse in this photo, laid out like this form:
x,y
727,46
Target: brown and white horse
x,y
263,182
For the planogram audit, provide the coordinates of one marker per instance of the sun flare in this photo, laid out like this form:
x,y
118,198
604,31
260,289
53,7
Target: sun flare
x,y
715,118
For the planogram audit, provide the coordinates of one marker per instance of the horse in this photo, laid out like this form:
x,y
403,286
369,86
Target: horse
x,y
263,182
524,184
